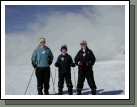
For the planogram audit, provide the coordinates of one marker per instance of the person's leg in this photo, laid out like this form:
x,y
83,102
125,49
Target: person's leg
x,y
80,83
60,83
39,75
46,80
69,83
91,81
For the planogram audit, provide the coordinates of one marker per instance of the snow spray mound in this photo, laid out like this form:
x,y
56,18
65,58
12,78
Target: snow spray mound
x,y
101,26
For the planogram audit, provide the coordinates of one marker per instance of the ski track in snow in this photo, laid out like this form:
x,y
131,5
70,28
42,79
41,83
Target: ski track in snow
x,y
109,77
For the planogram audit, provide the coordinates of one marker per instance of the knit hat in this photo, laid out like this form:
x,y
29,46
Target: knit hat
x,y
63,47
83,42
42,39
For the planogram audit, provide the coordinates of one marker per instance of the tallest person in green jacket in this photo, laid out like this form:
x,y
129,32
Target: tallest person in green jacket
x,y
41,60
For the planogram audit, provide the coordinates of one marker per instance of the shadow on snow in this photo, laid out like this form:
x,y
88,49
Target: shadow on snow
x,y
114,92
87,91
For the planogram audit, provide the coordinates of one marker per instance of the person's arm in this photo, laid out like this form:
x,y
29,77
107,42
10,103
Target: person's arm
x,y
57,64
92,58
50,60
34,58
51,54
71,61
77,58
58,59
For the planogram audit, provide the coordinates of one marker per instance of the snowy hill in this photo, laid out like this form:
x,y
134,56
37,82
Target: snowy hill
x,y
109,77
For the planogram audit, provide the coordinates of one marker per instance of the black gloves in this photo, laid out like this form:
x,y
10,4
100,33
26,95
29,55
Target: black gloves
x,y
49,61
73,65
57,64
84,63
88,63
34,65
81,64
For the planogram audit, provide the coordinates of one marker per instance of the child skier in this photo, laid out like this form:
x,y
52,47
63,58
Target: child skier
x,y
64,64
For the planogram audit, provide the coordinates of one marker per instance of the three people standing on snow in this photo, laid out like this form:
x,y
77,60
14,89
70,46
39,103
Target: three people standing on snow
x,y
42,58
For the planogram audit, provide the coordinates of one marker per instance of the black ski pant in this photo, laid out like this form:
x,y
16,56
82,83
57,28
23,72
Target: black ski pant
x,y
43,78
67,77
88,74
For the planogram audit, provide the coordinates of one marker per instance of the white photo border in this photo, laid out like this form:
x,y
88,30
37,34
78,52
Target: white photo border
x,y
126,3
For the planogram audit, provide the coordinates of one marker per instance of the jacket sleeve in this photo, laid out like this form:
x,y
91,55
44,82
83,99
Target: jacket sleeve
x,y
58,59
77,58
34,58
71,61
92,58
51,55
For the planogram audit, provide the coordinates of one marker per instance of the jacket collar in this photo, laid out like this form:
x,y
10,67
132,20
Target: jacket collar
x,y
85,50
45,47
64,55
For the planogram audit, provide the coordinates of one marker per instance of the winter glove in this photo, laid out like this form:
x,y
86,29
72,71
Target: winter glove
x,y
73,65
57,64
81,63
49,61
88,63
34,65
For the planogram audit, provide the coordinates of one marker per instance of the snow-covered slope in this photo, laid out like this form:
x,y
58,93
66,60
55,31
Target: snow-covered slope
x,y
109,78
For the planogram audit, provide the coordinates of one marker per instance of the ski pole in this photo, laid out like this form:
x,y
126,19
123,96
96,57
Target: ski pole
x,y
29,82
53,83
74,78
55,77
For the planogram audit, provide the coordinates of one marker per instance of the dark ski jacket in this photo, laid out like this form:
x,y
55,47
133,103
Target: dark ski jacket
x,y
89,57
65,62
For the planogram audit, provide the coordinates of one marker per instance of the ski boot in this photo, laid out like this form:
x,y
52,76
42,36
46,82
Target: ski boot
x,y
60,92
78,91
46,92
40,91
70,91
93,92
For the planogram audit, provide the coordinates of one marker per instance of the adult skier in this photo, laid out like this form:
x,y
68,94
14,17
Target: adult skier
x,y
64,63
85,60
41,60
